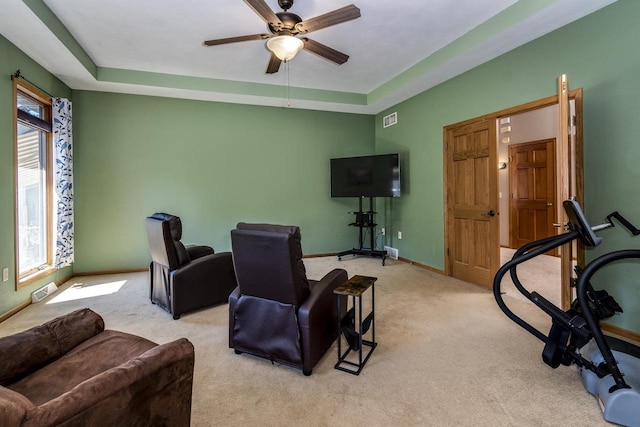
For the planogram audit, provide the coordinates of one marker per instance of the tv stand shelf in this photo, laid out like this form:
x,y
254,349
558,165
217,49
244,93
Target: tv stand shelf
x,y
364,221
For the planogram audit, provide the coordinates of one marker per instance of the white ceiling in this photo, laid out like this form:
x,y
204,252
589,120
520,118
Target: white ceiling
x,y
396,49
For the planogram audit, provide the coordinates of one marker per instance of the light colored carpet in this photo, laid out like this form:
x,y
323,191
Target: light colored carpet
x,y
447,356
540,274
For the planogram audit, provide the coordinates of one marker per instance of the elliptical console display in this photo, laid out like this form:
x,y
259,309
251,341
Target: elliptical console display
x,y
609,367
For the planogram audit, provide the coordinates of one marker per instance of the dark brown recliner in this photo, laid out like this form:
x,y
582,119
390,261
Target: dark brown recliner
x,y
185,278
276,312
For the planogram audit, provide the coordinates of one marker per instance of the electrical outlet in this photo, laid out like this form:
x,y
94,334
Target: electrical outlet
x,y
382,231
399,234
5,274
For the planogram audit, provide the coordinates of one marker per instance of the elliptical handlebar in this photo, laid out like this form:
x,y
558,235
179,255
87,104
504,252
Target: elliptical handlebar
x,y
622,220
577,221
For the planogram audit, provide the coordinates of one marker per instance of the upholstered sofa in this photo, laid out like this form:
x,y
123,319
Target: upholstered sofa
x,y
70,371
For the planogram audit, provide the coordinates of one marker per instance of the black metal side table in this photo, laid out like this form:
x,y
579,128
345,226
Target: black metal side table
x,y
354,332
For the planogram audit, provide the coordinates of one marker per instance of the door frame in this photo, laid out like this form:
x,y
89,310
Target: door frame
x,y
576,95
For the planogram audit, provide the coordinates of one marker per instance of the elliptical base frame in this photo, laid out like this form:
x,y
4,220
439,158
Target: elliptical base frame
x,y
620,406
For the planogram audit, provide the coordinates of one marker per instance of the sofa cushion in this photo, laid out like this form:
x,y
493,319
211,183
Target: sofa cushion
x,y
46,343
92,357
75,328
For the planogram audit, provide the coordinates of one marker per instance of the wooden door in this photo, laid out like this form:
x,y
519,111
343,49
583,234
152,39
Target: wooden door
x,y
472,223
531,191
570,184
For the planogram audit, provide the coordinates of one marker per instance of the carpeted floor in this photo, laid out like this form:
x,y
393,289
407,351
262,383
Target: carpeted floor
x,y
540,274
447,356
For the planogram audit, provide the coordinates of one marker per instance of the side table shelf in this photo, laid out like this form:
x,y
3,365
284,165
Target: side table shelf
x,y
354,332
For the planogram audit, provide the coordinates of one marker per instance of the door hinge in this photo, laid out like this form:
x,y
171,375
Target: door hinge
x,y
572,125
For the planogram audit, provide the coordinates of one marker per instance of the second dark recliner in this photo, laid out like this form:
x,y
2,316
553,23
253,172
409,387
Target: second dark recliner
x,y
185,278
276,312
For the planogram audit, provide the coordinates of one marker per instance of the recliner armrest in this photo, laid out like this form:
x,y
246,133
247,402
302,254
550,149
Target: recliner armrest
x,y
198,251
218,266
233,300
321,297
206,281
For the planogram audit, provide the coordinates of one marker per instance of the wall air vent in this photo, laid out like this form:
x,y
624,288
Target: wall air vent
x,y
390,119
391,252
40,294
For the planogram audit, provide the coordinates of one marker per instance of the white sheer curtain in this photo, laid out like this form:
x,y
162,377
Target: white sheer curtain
x,y
63,182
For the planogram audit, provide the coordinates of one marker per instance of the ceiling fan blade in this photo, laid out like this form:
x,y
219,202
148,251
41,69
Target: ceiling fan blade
x,y
338,16
236,39
324,51
265,12
274,64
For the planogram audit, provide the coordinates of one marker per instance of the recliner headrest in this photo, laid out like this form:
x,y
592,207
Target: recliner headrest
x,y
175,224
276,228
293,243
293,230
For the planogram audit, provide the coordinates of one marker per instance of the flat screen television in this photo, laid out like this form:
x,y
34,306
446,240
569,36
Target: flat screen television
x,y
366,176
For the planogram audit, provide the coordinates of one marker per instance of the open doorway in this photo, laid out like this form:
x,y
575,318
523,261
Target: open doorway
x,y
473,208
526,147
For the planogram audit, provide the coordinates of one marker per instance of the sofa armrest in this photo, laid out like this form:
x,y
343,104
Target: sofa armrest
x,y
151,389
46,343
13,407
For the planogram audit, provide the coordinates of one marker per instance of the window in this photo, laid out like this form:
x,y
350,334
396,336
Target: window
x,y
33,181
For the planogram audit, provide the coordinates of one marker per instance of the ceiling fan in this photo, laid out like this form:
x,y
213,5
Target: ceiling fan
x,y
285,26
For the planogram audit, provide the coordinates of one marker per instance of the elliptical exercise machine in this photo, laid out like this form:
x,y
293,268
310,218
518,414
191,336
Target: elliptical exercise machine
x,y
609,367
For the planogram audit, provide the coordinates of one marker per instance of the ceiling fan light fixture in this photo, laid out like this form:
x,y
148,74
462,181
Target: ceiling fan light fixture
x,y
285,47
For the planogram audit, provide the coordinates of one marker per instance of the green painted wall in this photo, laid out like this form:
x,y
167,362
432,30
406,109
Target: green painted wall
x,y
12,59
135,155
599,54
212,164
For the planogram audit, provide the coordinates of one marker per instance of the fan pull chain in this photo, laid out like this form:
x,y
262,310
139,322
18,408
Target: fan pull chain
x,y
286,63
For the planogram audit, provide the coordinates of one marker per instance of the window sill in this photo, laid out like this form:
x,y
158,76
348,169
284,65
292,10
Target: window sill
x,y
26,280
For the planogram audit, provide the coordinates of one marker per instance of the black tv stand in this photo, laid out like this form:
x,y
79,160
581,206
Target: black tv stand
x,y
364,220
